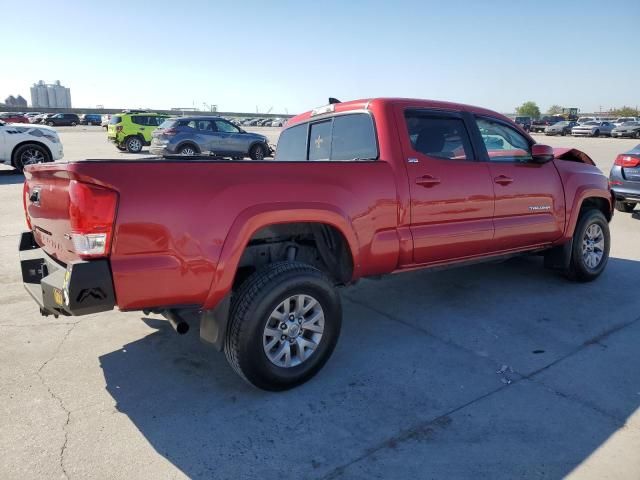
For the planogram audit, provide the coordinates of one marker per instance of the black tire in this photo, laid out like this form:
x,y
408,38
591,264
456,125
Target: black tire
x,y
578,269
638,134
251,308
134,144
625,207
38,153
50,124
257,152
596,133
188,150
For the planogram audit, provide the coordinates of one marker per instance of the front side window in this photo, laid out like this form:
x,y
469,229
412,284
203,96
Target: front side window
x,y
503,143
226,127
438,136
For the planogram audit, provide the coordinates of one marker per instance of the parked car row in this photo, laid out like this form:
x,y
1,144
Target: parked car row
x,y
211,135
258,122
596,128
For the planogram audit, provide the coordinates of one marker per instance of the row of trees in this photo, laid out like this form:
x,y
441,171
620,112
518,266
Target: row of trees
x,y
531,109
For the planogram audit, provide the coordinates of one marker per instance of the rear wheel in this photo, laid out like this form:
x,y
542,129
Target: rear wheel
x,y
30,154
590,250
283,327
73,124
50,124
188,150
637,135
257,152
133,144
626,207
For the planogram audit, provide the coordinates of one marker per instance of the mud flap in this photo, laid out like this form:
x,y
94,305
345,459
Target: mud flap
x,y
213,324
559,258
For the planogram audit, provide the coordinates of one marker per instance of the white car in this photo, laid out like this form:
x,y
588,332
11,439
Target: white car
x,y
23,144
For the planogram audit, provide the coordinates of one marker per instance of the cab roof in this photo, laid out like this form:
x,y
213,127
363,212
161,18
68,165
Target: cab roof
x,y
382,102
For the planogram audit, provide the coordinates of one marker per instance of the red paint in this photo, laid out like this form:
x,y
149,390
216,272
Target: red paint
x,y
181,227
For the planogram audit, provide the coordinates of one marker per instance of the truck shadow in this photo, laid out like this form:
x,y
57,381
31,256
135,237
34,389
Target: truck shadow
x,y
415,349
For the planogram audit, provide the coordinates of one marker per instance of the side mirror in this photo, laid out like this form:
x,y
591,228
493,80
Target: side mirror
x,y
541,153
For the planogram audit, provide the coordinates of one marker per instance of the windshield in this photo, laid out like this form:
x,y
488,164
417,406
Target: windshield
x,y
591,123
560,124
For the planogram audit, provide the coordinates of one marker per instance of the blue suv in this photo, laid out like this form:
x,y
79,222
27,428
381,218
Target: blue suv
x,y
208,135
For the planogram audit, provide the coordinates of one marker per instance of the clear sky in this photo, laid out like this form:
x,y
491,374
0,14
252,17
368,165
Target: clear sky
x,y
293,55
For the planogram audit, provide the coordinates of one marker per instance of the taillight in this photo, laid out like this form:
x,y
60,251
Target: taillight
x,y
169,132
627,161
118,128
25,195
92,211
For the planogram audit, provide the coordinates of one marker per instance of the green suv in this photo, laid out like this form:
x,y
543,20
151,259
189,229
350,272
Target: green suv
x,y
131,130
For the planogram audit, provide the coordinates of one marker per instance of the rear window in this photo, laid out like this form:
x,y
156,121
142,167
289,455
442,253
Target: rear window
x,y
114,120
292,144
341,138
168,124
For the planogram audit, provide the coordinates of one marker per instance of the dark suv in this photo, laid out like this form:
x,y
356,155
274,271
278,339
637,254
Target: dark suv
x,y
213,135
63,119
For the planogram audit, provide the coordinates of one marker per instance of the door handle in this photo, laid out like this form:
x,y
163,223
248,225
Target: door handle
x,y
427,181
503,180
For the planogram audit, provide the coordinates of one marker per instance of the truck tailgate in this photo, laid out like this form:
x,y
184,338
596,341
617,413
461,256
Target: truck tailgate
x,y
46,199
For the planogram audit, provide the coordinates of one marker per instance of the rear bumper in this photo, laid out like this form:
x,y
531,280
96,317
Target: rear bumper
x,y
78,288
624,194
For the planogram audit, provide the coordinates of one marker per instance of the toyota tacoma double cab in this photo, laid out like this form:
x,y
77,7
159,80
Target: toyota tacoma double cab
x,y
252,253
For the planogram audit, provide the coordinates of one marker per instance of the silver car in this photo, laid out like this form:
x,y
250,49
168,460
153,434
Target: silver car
x,y
592,129
207,135
628,129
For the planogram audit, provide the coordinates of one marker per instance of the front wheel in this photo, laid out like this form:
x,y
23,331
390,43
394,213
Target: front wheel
x,y
133,145
284,324
590,250
30,154
626,207
596,133
50,124
257,152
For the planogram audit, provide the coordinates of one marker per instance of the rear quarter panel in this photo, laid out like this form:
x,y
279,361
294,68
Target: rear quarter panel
x,y
181,226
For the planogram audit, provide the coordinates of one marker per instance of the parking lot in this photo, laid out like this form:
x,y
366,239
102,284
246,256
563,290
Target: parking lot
x,y
502,370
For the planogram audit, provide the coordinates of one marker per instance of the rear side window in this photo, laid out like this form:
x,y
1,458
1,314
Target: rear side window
x,y
139,120
353,138
340,138
503,143
114,120
438,136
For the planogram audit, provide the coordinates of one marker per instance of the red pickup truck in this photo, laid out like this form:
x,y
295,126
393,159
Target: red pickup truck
x,y
252,252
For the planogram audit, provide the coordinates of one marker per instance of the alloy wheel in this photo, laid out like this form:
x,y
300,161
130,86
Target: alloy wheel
x,y
293,331
593,246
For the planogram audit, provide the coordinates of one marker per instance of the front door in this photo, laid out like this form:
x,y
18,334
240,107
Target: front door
x,y
529,197
451,191
234,141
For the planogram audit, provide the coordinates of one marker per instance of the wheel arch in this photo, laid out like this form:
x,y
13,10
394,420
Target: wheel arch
x,y
586,199
256,219
184,143
28,142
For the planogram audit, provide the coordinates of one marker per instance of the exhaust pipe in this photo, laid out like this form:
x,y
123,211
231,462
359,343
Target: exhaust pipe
x,y
177,322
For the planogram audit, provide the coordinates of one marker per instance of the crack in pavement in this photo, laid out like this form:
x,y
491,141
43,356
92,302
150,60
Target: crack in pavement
x,y
56,397
443,419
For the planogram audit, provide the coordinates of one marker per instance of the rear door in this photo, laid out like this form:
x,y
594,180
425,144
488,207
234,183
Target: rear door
x,y
529,197
451,190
